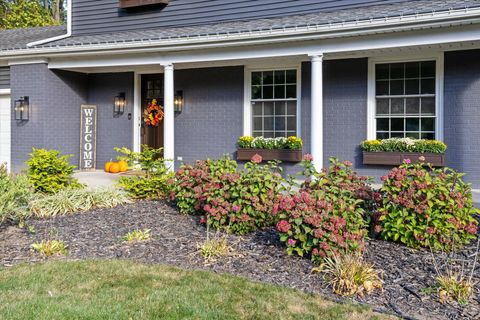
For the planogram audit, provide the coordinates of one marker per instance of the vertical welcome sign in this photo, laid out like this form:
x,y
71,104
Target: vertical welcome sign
x,y
88,137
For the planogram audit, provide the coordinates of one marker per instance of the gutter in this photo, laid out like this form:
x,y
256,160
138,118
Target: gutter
x,y
341,29
60,37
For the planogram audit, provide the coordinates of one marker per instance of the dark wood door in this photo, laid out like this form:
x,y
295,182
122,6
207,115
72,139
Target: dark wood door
x,y
152,88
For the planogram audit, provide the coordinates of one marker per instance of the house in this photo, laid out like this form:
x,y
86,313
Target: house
x,y
331,72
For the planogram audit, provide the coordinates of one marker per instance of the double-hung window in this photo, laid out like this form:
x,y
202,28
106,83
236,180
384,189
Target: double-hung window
x,y
274,103
405,100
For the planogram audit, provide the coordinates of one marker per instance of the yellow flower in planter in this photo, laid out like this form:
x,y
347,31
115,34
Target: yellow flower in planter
x,y
245,142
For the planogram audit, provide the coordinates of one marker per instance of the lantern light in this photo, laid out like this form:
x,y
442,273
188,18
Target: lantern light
x,y
119,104
22,109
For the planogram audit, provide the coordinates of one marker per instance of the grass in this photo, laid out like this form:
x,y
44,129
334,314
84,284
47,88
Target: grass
x,y
128,290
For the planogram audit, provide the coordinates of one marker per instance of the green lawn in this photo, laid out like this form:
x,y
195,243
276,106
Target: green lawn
x,y
128,290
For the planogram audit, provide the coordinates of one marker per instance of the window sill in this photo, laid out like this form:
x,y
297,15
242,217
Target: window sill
x,y
285,155
397,158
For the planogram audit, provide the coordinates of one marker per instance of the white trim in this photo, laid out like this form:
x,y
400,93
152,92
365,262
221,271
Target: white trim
x,y
247,105
169,118
350,28
27,61
439,87
6,129
316,121
5,91
63,36
137,112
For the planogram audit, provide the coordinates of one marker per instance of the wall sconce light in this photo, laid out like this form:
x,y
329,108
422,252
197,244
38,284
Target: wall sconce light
x,y
178,101
119,104
22,109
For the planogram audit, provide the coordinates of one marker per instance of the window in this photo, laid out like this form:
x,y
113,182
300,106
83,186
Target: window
x,y
405,100
274,103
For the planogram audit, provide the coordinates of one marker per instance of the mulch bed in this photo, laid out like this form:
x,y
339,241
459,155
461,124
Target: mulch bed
x,y
259,256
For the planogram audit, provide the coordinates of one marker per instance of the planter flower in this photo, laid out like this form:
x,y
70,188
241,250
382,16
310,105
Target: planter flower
x,y
269,149
396,151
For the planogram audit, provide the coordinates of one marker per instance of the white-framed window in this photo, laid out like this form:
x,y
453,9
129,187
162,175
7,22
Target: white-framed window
x,y
406,99
272,102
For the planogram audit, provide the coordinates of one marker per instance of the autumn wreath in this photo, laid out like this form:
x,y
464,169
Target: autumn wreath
x,y
153,114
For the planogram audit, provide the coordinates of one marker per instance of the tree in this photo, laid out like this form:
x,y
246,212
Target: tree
x,y
31,13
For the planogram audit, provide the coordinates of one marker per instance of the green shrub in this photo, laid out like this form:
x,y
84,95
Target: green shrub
x,y
426,207
70,201
15,193
156,182
325,217
193,182
404,145
49,172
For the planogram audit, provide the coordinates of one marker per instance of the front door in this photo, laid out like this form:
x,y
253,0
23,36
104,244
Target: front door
x,y
152,88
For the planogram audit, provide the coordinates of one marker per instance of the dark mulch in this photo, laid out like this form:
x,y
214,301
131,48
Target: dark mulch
x,y
259,256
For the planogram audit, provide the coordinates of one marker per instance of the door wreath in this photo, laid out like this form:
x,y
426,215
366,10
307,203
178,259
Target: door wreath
x,y
153,114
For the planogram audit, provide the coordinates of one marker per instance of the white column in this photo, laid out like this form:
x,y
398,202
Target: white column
x,y
316,138
168,126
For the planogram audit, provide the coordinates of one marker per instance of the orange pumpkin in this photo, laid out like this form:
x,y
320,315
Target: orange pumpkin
x,y
108,165
123,166
115,167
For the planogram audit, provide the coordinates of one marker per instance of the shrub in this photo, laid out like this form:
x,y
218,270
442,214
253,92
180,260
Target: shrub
x,y
242,202
349,275
138,236
15,193
326,216
215,247
454,287
157,180
426,207
51,247
292,142
74,200
49,172
404,145
193,182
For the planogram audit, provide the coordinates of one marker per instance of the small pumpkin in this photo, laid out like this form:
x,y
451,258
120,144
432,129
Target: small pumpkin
x,y
107,166
115,167
123,166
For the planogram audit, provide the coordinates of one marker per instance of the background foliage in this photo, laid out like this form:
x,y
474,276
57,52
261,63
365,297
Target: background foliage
x,y
31,13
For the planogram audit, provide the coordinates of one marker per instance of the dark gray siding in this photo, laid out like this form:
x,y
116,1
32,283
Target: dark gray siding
x,y
93,16
111,131
212,120
462,112
4,77
55,99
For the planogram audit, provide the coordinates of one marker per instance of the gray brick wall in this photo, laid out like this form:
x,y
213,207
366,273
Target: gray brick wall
x,y
55,97
111,131
462,112
211,121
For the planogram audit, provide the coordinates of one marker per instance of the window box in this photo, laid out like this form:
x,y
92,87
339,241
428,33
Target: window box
x,y
285,155
397,158
127,4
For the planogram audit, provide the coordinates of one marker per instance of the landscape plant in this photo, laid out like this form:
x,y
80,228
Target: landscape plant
x,y
156,182
138,235
326,215
292,142
422,206
15,194
50,172
51,247
404,145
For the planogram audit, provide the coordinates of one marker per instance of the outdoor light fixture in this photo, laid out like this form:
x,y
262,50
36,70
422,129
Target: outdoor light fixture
x,y
22,109
119,104
178,102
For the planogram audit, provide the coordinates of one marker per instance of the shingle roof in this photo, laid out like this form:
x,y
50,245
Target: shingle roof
x,y
19,38
318,18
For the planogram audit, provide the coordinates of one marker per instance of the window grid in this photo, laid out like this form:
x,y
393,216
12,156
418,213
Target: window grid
x,y
405,100
274,103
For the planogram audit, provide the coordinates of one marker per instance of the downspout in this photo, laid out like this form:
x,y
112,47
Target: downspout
x,y
63,36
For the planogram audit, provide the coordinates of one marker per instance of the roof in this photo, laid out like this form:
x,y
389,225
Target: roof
x,y
19,38
312,19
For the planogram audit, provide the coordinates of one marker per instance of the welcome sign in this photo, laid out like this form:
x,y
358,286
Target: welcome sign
x,y
88,137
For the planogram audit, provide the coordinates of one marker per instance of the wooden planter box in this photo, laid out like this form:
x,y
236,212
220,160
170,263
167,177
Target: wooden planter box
x,y
128,4
285,155
397,158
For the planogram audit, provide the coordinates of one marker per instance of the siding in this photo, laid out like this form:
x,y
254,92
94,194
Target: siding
x,y
4,77
93,16
462,113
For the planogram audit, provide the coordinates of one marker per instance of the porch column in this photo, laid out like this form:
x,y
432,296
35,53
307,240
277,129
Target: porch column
x,y
168,122
316,131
